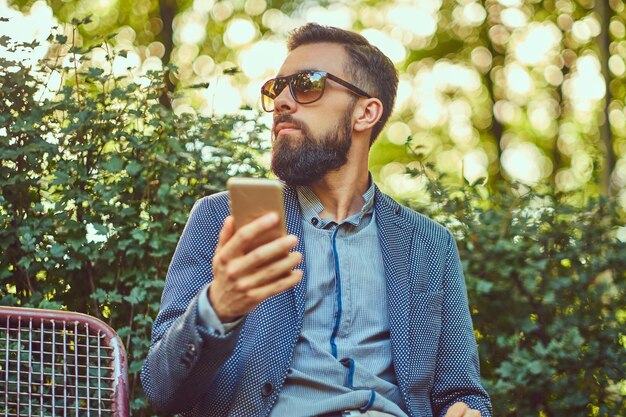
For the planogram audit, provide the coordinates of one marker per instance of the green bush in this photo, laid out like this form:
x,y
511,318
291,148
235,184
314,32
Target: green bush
x,y
96,182
546,279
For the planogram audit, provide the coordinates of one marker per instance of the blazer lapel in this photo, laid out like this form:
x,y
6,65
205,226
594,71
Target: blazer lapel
x,y
294,227
396,241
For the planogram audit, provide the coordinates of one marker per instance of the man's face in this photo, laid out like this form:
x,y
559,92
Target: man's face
x,y
310,140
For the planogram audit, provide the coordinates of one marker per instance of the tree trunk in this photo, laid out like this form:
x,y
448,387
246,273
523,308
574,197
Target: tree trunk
x,y
497,129
167,9
606,138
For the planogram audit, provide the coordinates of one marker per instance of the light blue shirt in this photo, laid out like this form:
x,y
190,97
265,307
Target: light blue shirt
x,y
343,358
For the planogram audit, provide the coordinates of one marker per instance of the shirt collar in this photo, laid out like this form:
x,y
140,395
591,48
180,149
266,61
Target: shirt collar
x,y
311,206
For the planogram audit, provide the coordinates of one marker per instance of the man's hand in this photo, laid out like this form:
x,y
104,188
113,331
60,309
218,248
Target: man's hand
x,y
461,410
242,280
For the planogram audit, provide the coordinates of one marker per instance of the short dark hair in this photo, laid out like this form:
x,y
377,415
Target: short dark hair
x,y
369,68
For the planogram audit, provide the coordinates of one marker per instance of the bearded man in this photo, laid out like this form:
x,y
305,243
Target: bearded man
x,y
361,310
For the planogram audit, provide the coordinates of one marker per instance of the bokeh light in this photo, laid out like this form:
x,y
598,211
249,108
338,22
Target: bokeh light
x,y
514,18
420,21
239,32
525,163
35,25
334,15
263,59
389,46
536,45
475,165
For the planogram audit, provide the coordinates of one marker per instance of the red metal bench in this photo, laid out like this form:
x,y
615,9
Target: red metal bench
x,y
59,363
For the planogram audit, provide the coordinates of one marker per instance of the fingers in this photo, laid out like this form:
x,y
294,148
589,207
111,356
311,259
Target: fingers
x,y
243,278
263,255
270,272
240,239
456,410
257,295
232,304
461,410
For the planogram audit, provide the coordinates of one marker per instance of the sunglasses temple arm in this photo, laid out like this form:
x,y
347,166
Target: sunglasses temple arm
x,y
348,85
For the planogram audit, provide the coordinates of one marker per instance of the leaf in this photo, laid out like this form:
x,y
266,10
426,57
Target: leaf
x,y
130,299
199,85
175,144
60,178
135,366
114,164
5,273
231,71
100,229
57,250
62,39
95,72
483,286
535,367
133,168
139,235
164,191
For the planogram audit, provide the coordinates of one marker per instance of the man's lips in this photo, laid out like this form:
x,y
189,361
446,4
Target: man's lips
x,y
284,128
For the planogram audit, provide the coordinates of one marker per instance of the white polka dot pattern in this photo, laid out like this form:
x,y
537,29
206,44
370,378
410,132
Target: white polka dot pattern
x,y
196,372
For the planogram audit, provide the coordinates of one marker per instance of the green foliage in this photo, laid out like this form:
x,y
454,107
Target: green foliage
x,y
96,182
546,279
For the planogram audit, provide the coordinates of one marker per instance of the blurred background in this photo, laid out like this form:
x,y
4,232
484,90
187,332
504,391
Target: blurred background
x,y
509,128
528,90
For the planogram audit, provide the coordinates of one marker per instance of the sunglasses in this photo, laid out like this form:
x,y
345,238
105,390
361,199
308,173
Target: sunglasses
x,y
305,87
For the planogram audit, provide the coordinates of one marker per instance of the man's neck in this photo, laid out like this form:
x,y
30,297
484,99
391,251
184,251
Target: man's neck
x,y
341,192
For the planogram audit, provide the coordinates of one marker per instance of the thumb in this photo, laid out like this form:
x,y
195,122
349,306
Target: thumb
x,y
457,410
228,230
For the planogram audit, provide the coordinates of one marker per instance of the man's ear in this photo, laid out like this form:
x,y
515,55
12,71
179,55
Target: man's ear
x,y
367,113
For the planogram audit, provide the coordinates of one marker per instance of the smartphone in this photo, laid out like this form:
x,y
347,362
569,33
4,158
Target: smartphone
x,y
251,198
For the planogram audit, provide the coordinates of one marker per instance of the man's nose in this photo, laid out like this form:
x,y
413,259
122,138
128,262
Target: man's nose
x,y
284,102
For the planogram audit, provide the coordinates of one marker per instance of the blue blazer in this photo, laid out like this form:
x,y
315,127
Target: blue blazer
x,y
192,370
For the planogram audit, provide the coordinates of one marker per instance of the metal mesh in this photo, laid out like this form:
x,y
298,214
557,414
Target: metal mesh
x,y
53,367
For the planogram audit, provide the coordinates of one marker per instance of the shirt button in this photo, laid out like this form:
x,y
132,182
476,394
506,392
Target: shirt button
x,y
314,221
267,390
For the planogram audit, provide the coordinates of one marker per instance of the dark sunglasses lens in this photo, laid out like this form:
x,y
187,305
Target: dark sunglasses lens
x,y
270,90
305,87
308,86
267,103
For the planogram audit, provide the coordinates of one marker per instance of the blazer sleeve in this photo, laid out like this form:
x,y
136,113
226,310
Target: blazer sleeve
x,y
457,375
185,355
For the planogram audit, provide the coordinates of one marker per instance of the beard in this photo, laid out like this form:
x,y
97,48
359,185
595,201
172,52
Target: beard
x,y
306,159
